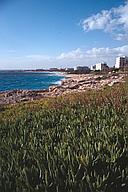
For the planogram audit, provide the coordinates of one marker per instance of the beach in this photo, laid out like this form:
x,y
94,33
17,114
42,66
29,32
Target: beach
x,y
72,83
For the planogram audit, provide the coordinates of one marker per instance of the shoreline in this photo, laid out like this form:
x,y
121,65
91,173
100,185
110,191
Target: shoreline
x,y
72,83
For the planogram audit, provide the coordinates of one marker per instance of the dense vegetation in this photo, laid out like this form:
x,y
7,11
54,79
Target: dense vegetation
x,y
73,143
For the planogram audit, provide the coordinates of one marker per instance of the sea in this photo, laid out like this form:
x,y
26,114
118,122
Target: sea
x,y
28,80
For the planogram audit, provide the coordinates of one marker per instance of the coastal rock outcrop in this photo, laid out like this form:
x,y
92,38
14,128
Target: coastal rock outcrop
x,y
73,83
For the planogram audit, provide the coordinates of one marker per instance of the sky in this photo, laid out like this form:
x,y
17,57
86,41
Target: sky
x,y
62,33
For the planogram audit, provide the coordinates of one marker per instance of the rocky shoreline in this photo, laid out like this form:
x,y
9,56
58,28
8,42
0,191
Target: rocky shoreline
x,y
72,83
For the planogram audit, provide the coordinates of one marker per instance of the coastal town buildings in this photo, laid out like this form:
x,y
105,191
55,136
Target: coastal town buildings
x,y
70,70
99,67
53,69
78,70
121,62
82,69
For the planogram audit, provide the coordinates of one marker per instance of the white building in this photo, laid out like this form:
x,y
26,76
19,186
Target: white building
x,y
121,62
99,67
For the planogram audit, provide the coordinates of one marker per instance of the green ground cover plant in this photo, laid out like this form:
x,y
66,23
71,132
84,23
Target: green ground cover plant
x,y
75,143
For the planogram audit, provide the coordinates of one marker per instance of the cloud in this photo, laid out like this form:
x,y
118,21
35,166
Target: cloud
x,y
113,21
92,56
94,52
108,52
97,21
74,54
67,59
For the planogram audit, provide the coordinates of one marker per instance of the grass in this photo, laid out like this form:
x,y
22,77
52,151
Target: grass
x,y
73,143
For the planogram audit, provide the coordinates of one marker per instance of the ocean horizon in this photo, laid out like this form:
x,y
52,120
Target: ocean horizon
x,y
28,80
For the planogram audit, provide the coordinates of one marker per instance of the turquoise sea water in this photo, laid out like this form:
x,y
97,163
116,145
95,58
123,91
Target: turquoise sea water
x,y
13,80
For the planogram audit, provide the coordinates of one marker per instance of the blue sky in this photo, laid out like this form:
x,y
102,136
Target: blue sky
x,y
61,33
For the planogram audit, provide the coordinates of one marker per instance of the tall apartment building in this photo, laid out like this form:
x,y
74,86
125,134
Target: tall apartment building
x,y
121,62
